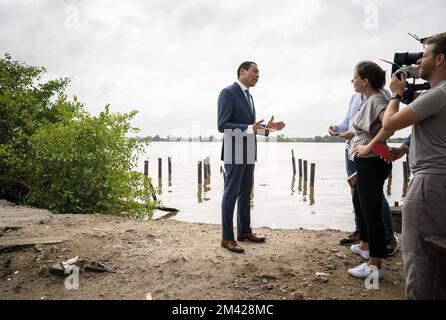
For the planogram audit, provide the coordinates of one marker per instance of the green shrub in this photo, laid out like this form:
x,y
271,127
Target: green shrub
x,y
86,165
25,105
55,155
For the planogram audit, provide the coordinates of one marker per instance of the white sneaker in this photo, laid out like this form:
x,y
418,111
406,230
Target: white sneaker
x,y
364,270
363,253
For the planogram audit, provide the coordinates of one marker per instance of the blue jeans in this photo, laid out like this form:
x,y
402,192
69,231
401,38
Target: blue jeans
x,y
385,211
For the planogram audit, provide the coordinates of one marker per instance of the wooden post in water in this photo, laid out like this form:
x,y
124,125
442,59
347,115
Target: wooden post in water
x,y
305,170
293,182
207,176
408,167
209,167
405,177
205,169
160,173
169,170
146,168
293,161
201,169
200,176
300,175
311,196
389,184
160,168
169,166
300,168
312,172
146,174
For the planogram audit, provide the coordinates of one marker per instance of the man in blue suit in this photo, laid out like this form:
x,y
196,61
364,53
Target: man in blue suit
x,y
237,120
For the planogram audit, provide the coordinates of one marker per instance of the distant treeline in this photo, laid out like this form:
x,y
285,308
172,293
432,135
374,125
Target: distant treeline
x,y
278,138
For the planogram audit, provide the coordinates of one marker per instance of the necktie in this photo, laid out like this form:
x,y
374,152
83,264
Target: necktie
x,y
248,96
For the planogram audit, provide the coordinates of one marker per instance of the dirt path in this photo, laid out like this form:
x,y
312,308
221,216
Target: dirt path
x,y
175,260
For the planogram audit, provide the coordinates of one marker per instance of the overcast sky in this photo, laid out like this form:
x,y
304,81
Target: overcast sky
x,y
169,59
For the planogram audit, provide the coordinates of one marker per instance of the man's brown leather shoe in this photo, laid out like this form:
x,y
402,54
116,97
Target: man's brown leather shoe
x,y
232,246
250,237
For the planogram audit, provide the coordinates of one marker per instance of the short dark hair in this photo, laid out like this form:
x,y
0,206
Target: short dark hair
x,y
373,72
245,65
439,42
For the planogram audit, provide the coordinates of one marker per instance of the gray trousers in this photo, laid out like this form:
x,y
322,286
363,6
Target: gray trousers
x,y
424,215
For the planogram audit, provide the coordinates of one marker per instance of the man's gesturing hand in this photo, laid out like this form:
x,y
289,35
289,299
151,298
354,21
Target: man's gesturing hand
x,y
275,126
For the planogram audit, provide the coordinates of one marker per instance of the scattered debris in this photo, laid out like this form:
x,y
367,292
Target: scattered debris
x,y
268,276
70,262
167,209
54,249
60,269
57,269
20,244
9,229
169,215
98,267
7,263
341,255
322,276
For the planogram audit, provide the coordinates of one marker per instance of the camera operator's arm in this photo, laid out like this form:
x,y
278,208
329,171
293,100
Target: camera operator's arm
x,y
400,151
382,135
393,118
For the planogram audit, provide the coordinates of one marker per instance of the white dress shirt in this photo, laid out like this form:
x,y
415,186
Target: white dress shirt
x,y
250,129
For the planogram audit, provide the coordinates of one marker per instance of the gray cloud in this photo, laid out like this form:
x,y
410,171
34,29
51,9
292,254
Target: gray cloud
x,y
170,59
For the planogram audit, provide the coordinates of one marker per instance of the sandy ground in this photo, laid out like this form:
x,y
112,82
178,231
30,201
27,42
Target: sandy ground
x,y
167,259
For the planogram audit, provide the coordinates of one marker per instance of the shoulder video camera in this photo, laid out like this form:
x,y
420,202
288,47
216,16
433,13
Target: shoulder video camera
x,y
406,63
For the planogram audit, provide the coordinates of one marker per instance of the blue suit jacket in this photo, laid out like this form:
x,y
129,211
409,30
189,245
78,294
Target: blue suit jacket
x,y
234,113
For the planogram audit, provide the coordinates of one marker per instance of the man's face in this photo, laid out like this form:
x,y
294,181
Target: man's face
x,y
249,77
427,62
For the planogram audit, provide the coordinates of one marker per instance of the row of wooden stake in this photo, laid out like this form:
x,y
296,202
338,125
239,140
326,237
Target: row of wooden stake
x,y
160,167
303,169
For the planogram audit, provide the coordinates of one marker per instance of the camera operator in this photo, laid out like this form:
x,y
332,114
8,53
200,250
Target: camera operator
x,y
424,212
